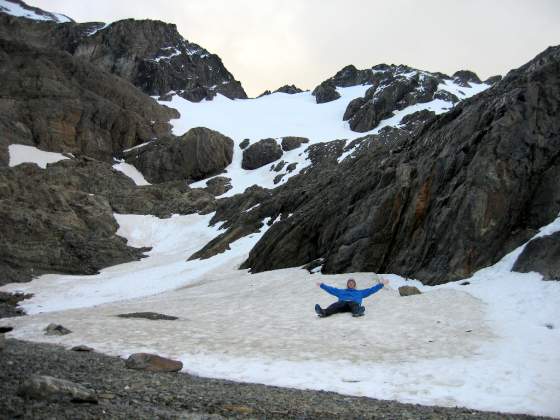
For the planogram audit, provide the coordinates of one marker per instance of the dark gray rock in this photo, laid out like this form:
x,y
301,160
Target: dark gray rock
x,y
244,144
152,363
56,329
9,301
291,143
82,349
278,178
279,166
291,167
197,154
42,387
54,101
464,77
409,291
325,92
446,96
265,93
289,89
541,255
436,204
261,153
218,185
493,80
153,316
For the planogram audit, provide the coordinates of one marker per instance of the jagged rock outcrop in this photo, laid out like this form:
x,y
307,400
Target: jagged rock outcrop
x,y
60,219
52,100
150,54
49,228
456,196
197,154
541,255
261,153
465,77
289,89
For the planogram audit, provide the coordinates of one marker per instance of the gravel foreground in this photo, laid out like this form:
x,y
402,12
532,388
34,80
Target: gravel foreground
x,y
129,394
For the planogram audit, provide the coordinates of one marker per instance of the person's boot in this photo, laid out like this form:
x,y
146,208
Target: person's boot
x,y
320,311
360,312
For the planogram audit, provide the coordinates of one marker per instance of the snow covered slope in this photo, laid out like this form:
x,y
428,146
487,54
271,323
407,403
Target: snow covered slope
x,y
486,345
21,9
279,115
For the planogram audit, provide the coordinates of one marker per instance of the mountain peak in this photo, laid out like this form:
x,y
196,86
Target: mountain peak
x,y
20,9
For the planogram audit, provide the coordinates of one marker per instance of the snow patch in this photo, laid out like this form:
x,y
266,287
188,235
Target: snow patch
x,y
131,172
20,153
18,10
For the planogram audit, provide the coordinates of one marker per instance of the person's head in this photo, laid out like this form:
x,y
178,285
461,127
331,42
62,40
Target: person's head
x,y
351,284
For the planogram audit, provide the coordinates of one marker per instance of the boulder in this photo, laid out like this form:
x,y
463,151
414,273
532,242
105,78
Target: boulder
x,y
82,349
291,167
409,291
153,316
325,92
56,329
42,387
244,144
261,153
291,143
541,255
152,363
196,155
463,77
218,185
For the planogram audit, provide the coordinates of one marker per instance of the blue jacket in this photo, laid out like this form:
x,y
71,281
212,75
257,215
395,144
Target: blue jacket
x,y
351,294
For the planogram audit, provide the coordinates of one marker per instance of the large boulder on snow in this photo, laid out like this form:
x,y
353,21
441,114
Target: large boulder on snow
x,y
464,77
325,92
291,143
197,154
261,153
409,291
152,363
541,255
289,89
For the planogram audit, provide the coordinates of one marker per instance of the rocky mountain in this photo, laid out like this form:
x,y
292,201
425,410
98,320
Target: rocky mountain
x,y
150,54
21,9
393,88
436,201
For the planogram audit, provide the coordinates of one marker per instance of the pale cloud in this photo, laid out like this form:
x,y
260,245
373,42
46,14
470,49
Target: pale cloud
x,y
267,43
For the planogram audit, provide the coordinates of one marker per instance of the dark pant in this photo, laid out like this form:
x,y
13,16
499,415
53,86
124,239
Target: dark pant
x,y
342,306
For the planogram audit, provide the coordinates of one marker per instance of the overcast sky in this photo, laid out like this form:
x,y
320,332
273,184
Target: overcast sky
x,y
269,43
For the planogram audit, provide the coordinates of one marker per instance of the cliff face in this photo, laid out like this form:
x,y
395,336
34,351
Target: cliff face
x,y
470,186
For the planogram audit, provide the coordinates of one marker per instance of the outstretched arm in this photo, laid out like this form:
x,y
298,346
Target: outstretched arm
x,y
329,289
374,289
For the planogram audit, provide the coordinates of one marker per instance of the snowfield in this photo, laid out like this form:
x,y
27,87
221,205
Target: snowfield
x,y
490,345
20,153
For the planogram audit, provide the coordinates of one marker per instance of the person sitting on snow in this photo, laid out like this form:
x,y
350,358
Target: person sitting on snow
x,y
349,299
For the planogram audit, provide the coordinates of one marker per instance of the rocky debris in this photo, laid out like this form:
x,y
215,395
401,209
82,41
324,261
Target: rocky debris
x,y
464,77
132,394
244,144
541,255
326,153
447,96
153,316
82,348
218,185
197,154
261,153
325,92
152,363
54,101
409,291
279,166
289,89
9,301
43,387
291,143
56,329
437,204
